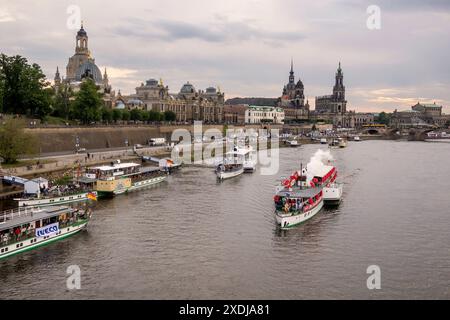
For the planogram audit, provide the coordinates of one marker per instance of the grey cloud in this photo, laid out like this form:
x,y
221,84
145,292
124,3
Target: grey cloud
x,y
220,30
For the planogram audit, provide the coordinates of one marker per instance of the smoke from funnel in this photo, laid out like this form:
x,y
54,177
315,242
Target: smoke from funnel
x,y
318,161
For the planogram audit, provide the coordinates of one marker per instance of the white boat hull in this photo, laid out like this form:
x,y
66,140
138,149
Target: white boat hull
x,y
54,201
141,184
332,195
223,175
288,221
249,166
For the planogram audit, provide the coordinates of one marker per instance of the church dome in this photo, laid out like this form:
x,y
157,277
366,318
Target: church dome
x,y
187,88
211,90
299,84
152,82
91,68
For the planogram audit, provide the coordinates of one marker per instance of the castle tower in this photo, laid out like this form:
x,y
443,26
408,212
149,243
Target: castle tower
x,y
57,80
339,92
105,78
339,89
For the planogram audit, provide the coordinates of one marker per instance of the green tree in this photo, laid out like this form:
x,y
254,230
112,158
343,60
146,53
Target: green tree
x,y
145,116
117,115
107,114
126,115
14,141
153,115
383,118
170,116
24,88
62,101
88,103
136,115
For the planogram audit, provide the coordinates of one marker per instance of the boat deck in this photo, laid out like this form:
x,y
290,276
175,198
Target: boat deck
x,y
11,219
300,193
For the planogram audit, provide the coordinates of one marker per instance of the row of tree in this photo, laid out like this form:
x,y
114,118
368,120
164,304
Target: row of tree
x,y
24,90
115,115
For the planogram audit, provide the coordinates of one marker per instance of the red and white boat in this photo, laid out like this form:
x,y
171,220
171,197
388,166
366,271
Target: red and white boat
x,y
300,198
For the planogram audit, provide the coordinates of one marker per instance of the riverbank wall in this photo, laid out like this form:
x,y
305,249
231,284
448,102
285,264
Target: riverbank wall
x,y
65,139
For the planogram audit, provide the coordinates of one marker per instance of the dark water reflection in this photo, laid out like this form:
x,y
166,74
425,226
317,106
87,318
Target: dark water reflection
x,y
196,239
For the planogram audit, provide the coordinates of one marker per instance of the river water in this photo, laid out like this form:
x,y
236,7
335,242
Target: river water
x,y
193,238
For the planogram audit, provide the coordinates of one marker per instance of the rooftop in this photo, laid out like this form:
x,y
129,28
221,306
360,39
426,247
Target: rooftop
x,y
11,219
116,166
265,108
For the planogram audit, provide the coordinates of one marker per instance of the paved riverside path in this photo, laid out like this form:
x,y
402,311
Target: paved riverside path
x,y
52,163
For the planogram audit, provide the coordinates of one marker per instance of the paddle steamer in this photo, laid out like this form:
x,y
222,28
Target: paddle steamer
x,y
298,199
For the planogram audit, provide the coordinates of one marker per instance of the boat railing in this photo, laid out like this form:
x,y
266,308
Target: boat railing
x,y
17,213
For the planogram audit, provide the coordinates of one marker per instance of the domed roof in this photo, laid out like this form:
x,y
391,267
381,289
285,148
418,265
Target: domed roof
x,y
211,90
89,67
152,82
187,88
299,84
135,102
120,105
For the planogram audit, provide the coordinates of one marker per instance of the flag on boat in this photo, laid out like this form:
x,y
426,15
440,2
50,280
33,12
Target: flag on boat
x,y
92,196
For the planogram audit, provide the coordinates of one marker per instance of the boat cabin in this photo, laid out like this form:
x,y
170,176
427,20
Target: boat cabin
x,y
112,171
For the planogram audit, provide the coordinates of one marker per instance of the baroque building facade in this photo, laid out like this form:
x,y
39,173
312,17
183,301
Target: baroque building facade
x,y
82,66
420,115
292,100
188,104
264,114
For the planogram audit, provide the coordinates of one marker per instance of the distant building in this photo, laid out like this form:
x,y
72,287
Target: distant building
x,y
292,100
188,104
82,66
333,108
420,115
263,114
234,114
334,103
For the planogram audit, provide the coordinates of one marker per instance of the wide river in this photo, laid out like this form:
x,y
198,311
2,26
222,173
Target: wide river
x,y
194,238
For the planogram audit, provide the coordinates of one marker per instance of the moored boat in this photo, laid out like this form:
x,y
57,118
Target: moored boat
x,y
119,178
28,228
57,200
293,143
342,143
39,193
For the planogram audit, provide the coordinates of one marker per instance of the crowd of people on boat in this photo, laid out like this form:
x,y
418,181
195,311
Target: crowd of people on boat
x,y
28,230
147,175
294,205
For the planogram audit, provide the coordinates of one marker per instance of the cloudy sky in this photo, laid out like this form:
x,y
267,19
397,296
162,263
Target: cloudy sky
x,y
245,46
